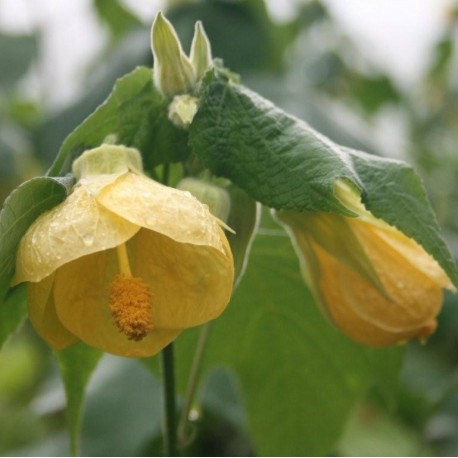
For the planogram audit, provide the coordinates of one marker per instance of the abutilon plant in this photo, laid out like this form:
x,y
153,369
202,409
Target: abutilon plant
x,y
143,227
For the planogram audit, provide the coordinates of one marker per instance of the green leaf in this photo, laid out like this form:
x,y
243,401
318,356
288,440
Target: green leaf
x,y
276,158
282,162
385,433
13,311
123,409
136,113
19,211
392,191
119,19
373,92
299,377
76,364
16,55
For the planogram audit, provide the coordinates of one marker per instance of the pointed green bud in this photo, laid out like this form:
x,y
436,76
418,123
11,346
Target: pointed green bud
x,y
173,71
201,53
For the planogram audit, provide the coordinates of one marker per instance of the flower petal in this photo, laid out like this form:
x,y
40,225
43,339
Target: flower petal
x,y
409,249
81,297
76,227
415,296
191,284
369,317
174,213
42,313
335,234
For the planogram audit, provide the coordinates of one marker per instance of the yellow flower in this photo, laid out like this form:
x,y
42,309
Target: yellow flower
x,y
376,284
124,264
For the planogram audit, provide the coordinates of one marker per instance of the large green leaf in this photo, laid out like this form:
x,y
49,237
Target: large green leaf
x,y
136,113
13,311
76,363
298,375
278,159
20,209
284,163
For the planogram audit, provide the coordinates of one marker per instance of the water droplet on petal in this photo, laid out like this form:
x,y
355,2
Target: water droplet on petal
x,y
88,239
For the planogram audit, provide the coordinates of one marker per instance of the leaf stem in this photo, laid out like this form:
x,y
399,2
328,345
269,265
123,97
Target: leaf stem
x,y
170,430
192,384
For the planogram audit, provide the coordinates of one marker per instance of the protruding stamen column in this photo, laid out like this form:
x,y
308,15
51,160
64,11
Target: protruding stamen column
x,y
130,300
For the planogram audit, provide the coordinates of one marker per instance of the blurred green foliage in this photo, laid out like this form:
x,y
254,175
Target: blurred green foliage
x,y
306,67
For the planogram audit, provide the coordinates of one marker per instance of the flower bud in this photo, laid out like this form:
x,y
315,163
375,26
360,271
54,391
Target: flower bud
x,y
107,159
173,71
182,110
201,53
215,197
377,285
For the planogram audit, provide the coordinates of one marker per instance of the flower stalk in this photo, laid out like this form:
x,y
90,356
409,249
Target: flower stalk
x,y
193,381
170,427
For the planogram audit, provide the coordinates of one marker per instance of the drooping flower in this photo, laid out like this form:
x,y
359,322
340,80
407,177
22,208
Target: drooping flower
x,y
124,264
377,285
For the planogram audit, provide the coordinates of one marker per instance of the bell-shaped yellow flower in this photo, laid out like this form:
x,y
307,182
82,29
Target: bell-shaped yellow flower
x,y
376,284
124,264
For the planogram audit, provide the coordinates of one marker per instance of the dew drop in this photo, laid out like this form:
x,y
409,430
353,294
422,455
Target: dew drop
x,y
88,240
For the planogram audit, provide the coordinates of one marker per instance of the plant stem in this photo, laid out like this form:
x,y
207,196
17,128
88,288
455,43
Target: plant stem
x,y
165,173
170,427
192,384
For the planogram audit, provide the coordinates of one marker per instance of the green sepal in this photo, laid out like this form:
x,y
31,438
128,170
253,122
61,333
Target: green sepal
x,y
244,221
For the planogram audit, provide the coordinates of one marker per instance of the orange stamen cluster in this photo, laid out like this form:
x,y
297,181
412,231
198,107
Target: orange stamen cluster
x,y
130,304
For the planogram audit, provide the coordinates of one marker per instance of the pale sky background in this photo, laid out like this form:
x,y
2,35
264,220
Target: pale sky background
x,y
395,34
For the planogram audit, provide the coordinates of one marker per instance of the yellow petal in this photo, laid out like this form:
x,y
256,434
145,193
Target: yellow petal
x,y
42,313
191,284
171,212
76,227
81,298
368,317
416,297
409,249
336,235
